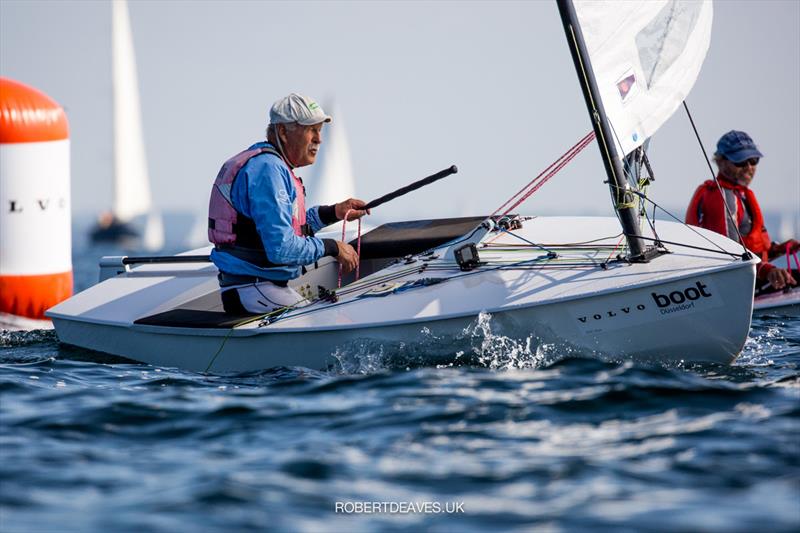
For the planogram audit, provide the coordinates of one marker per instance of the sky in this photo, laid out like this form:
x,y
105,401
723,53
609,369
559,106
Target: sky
x,y
488,86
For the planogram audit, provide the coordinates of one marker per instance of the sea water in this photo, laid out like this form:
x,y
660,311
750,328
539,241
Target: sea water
x,y
532,438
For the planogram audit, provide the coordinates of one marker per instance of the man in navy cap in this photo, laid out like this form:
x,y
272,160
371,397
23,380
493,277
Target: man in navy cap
x,y
262,232
737,157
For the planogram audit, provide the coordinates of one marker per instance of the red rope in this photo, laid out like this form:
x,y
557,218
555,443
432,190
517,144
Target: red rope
x,y
545,175
789,253
358,248
615,248
523,193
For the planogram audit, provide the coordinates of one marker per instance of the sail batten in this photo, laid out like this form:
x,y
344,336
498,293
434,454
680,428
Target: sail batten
x,y
646,58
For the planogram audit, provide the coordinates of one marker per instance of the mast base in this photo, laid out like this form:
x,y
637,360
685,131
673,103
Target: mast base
x,y
650,253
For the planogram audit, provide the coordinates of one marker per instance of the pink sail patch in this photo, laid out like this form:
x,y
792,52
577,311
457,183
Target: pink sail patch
x,y
626,85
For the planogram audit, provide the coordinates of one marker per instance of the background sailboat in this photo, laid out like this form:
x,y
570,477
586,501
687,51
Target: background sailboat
x,y
131,185
331,179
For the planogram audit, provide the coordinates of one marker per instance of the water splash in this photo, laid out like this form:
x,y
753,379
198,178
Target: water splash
x,y
499,352
476,345
760,347
362,357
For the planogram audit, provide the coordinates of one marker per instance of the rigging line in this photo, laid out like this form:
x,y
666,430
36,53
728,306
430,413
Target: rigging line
x,y
572,244
650,222
655,205
714,177
355,286
794,255
629,176
349,289
537,183
720,251
642,193
521,191
615,191
248,320
627,167
608,259
236,325
219,350
557,163
646,160
458,276
539,246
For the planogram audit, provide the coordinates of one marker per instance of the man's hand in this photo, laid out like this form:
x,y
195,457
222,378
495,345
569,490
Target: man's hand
x,y
357,207
779,249
347,257
780,278
792,244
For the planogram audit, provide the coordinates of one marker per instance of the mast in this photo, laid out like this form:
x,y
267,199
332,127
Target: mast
x,y
620,190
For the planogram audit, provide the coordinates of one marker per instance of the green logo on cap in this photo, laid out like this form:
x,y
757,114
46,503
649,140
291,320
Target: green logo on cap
x,y
312,106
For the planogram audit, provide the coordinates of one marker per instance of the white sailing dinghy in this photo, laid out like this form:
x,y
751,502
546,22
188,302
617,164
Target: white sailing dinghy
x,y
780,303
660,293
131,185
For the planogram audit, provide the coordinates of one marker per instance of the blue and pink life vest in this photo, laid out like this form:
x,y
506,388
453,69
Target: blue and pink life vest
x,y
236,233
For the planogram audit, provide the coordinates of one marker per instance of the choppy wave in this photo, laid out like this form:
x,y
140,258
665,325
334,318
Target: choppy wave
x,y
522,435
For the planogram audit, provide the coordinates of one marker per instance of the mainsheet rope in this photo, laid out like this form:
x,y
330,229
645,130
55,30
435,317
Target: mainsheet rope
x,y
790,254
358,248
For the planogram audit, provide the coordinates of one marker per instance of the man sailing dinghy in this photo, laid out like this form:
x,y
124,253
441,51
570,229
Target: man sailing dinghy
x,y
666,294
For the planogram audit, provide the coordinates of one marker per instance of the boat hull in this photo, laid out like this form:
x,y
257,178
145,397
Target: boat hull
x,y
522,301
634,324
778,304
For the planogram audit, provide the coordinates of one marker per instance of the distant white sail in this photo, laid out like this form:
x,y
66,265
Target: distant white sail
x,y
331,177
131,182
646,57
153,238
198,234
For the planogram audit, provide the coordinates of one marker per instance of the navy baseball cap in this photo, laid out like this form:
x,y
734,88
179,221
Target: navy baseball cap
x,y
737,146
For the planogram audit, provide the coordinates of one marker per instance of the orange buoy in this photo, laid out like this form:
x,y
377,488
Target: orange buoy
x,y
35,234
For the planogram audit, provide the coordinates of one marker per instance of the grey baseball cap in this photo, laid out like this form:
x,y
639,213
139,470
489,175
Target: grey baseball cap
x,y
297,108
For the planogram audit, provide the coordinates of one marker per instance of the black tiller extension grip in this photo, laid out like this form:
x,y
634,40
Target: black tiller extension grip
x,y
414,186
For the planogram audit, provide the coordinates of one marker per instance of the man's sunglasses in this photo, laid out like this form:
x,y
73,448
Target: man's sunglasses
x,y
753,161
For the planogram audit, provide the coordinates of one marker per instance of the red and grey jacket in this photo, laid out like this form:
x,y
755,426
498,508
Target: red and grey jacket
x,y
236,233
707,210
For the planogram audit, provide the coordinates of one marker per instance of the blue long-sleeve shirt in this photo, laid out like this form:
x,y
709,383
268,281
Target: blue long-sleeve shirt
x,y
263,191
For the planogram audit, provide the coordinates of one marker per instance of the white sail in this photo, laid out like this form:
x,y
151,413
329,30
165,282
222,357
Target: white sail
x,y
131,182
153,238
198,234
332,177
646,57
